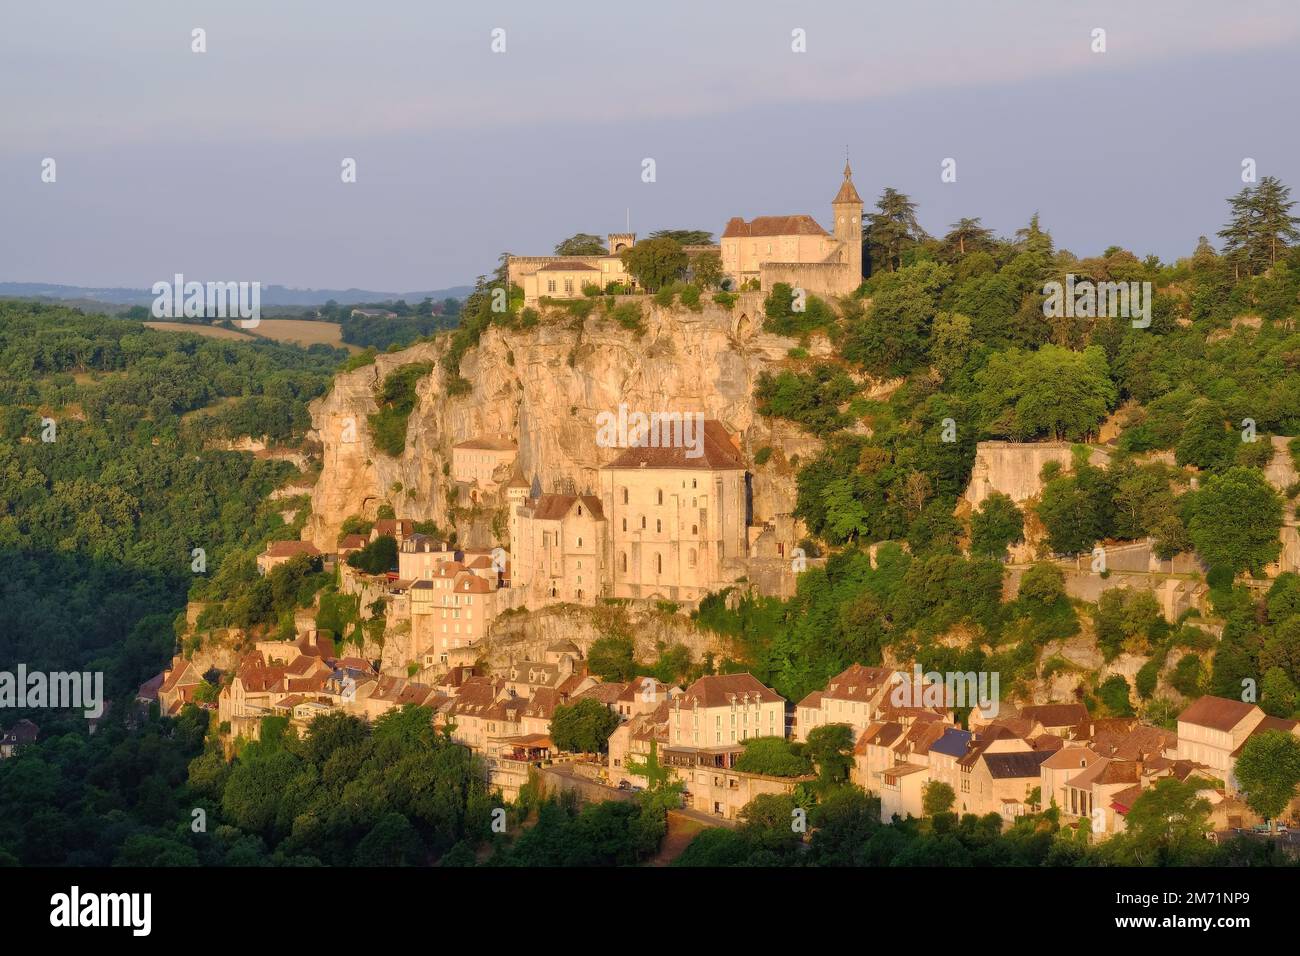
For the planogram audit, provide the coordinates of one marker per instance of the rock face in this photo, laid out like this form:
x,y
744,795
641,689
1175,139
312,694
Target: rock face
x,y
544,387
1013,468
527,636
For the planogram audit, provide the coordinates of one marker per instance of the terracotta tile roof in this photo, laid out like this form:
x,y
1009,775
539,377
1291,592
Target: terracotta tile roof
x,y
1106,770
1057,715
1217,713
604,693
180,672
1122,802
570,684
1268,723
920,736
1071,758
287,549
149,689
880,735
543,703
813,700
393,526
260,679
352,542
715,446
637,686
568,265
857,682
718,690
762,226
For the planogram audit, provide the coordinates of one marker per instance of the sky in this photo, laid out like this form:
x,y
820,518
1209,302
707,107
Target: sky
x,y
226,164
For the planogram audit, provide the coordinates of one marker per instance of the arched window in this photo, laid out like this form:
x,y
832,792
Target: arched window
x,y
580,541
579,511
624,524
695,529
643,522
624,496
622,560
659,526
659,564
659,496
690,558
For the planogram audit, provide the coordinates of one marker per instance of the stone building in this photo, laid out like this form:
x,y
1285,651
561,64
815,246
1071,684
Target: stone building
x,y
797,250
677,525
670,523
480,466
564,277
557,549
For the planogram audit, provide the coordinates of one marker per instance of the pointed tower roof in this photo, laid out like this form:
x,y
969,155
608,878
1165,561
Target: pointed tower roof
x,y
847,193
536,491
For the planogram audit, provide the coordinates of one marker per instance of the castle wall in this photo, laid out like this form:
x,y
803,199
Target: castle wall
x,y
815,278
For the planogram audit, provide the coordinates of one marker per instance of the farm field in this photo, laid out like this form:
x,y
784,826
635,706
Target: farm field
x,y
303,332
211,331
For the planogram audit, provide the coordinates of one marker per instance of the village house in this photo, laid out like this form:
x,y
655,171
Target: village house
x,y
23,733
720,711
399,529
480,465
420,555
1213,730
278,552
179,683
852,697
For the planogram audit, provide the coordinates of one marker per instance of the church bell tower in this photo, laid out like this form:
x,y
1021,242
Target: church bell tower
x,y
847,209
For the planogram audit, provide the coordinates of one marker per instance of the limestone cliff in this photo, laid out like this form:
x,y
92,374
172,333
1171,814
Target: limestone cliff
x,y
545,386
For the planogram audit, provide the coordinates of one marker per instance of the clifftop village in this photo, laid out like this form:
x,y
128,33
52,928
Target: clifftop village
x,y
673,521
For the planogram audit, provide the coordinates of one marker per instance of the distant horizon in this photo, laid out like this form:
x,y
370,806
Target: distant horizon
x,y
226,164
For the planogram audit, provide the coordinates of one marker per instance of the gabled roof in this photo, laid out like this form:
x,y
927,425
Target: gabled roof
x,y
953,743
1056,715
1071,758
1217,713
813,700
287,549
605,693
553,507
1268,723
1023,763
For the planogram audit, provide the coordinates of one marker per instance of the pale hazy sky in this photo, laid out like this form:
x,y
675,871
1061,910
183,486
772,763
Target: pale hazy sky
x,y
225,165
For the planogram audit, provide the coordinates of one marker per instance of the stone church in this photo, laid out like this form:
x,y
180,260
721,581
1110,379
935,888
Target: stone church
x,y
797,250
